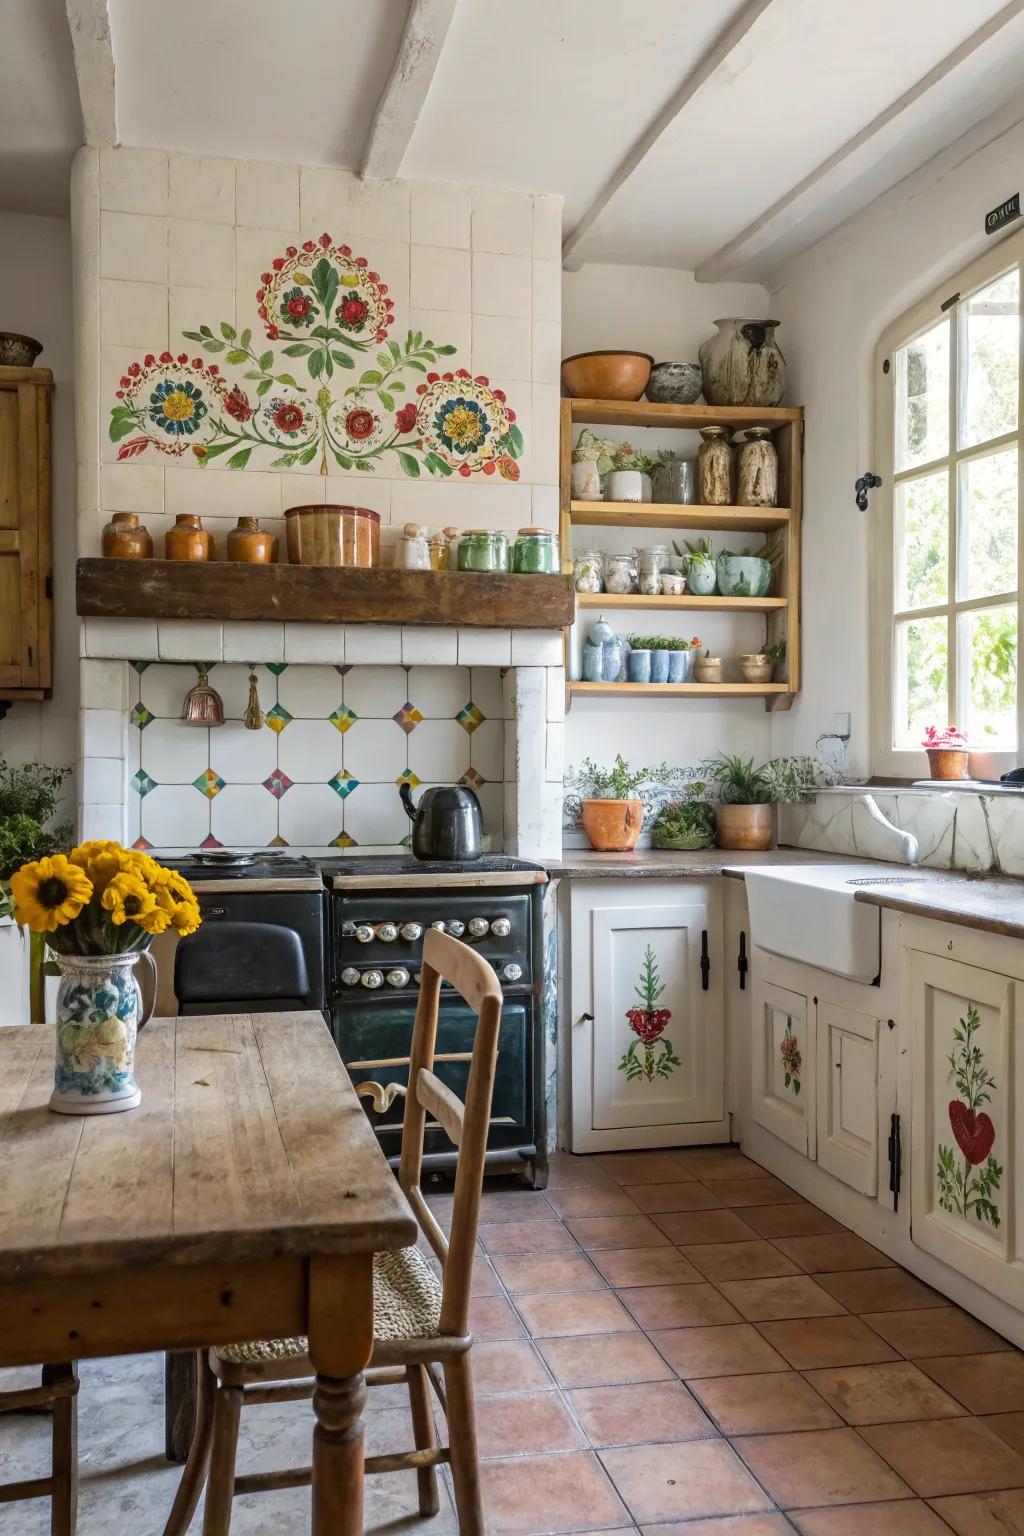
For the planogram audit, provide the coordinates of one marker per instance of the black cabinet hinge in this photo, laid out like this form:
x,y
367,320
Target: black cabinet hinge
x,y
48,586
895,1160
742,964
705,961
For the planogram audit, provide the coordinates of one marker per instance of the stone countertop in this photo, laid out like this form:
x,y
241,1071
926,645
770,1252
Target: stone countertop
x,y
659,864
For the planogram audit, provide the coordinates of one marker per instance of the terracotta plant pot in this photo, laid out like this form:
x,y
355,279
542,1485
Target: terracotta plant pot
x,y
745,827
948,763
606,375
612,826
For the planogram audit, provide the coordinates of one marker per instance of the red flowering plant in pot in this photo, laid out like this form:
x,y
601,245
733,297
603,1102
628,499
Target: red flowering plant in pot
x,y
651,1054
948,756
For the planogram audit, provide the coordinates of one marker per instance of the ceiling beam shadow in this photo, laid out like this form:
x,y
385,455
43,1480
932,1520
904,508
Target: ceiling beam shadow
x,y
89,22
412,74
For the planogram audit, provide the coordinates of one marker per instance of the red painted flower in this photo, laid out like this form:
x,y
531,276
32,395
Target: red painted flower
x,y
149,360
975,1134
308,245
199,451
134,369
290,250
508,469
360,424
237,404
165,357
352,310
288,417
298,306
465,471
489,467
405,419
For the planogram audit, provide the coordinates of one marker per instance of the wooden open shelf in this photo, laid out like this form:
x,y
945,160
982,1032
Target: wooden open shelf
x,y
650,514
694,690
687,602
641,413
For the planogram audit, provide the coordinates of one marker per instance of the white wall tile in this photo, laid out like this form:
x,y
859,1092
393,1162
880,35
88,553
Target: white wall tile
x,y
390,260
101,821
487,750
131,638
485,691
547,227
375,692
536,647
255,249
485,647
547,290
192,307
543,447
298,490
102,685
202,187
502,221
501,285
225,494
547,352
374,643
244,816
162,688
501,347
132,488
447,328
376,751
374,815
175,816
189,640
544,508
311,818
172,752
439,751
310,692
344,206
555,753
323,643
102,733
439,692
440,279
253,642
133,246
429,645
201,255
133,315
231,681
133,180
101,780
267,195
361,490
440,214
555,693
310,751
239,755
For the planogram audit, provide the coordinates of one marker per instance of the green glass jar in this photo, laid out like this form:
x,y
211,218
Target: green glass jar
x,y
535,552
483,549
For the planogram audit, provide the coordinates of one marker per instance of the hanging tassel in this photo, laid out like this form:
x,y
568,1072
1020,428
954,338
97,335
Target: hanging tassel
x,y
203,705
253,712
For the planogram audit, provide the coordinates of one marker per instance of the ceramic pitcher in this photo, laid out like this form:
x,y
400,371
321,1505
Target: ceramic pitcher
x,y
99,1013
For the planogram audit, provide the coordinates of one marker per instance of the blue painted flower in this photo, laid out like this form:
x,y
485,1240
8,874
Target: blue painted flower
x,y
462,426
177,406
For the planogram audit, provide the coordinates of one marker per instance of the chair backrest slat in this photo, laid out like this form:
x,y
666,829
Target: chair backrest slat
x,y
439,1101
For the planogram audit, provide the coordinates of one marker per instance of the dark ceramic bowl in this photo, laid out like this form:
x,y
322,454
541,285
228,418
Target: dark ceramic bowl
x,y
674,383
18,351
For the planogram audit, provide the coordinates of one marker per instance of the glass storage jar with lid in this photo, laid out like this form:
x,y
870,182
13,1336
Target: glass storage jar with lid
x,y
620,574
588,570
650,560
535,552
483,549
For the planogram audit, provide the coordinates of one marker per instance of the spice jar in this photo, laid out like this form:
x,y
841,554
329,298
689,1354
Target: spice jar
x,y
588,571
251,544
440,548
483,549
535,552
412,552
619,574
714,468
188,539
125,538
649,561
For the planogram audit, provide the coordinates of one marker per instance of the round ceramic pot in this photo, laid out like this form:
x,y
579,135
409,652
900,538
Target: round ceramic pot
x,y
659,666
702,578
627,485
743,575
673,583
680,664
742,365
714,468
707,669
99,1013
250,544
585,481
746,827
756,668
757,470
125,538
612,826
188,539
674,383
948,762
638,666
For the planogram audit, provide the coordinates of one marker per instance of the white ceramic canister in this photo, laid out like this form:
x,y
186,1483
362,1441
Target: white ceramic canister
x,y
627,485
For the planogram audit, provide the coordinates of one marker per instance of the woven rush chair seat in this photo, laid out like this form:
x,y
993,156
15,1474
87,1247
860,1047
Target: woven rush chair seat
x,y
406,1305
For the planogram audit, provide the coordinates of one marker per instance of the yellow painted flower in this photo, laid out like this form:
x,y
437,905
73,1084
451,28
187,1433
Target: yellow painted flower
x,y
49,893
127,899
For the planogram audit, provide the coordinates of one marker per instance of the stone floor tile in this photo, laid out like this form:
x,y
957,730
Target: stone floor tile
x,y
731,1351
785,1297
678,1306
528,1423
880,1290
755,1260
492,1317
553,1494
604,1359
884,1394
644,1266
905,1517
539,1272
819,1467
535,1236
603,1200
645,1414
574,1312
832,1251
688,1227
808,1343
986,1514
641,1167
1009,1427
748,1192
983,1383
616,1232
934,1331
656,1199
754,1405
790,1220
683,1481
508,1367
947,1456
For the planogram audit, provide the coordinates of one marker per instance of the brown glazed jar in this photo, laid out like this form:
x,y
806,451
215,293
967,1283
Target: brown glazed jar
x,y
251,544
125,538
188,539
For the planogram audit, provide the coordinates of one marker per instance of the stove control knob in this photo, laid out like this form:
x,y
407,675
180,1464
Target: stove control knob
x,y
439,925
387,932
372,978
512,971
364,933
350,976
456,928
399,977
348,929
412,931
501,927
478,926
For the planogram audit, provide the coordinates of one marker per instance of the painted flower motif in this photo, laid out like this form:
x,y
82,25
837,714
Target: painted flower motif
x,y
462,422
164,402
359,428
297,308
405,419
236,404
284,420
322,278
177,406
508,469
351,312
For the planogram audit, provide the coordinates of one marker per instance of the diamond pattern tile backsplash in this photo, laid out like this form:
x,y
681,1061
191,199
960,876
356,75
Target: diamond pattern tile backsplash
x,y
324,769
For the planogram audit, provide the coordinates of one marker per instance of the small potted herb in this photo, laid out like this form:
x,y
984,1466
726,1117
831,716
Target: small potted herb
x,y
745,816
683,825
660,658
948,755
701,571
613,813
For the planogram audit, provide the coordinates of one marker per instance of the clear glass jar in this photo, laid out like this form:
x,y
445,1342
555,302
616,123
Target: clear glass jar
x,y
483,549
438,545
535,552
619,574
588,571
650,560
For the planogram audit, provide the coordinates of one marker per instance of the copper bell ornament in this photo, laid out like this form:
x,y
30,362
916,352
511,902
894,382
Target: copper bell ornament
x,y
203,705
253,713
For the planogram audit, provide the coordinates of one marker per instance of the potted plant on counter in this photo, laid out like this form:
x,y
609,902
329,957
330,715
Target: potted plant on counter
x,y
684,825
745,817
948,755
28,803
611,811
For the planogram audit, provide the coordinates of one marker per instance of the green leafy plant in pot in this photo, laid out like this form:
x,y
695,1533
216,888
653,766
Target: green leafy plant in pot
x,y
29,797
684,825
612,813
746,817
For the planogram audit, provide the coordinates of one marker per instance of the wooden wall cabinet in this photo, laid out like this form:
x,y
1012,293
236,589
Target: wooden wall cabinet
x,y
26,590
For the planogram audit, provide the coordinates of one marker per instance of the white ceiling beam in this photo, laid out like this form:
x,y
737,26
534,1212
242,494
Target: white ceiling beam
x,y
412,74
89,21
720,59
845,166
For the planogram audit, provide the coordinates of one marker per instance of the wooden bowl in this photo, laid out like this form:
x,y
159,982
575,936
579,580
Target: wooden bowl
x,y
607,375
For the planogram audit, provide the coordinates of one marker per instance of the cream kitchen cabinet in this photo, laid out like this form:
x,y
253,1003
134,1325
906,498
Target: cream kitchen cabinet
x,y
782,1053
848,1095
647,1016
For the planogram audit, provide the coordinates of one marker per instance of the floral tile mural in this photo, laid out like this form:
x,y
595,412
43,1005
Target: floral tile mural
x,y
285,397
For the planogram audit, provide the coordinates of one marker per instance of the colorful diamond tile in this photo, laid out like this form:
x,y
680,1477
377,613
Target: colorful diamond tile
x,y
278,784
142,783
408,717
408,777
209,783
343,718
141,845
140,666
472,779
277,667
277,718
278,842
406,841
343,783
211,842
343,841
342,668
470,716
140,716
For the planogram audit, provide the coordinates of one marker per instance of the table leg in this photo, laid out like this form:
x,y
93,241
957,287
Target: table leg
x,y
340,1307
179,1403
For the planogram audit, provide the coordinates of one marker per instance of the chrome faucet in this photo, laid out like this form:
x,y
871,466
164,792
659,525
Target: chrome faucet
x,y
907,840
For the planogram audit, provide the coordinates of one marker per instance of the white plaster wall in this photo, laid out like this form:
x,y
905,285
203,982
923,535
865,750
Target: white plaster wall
x,y
35,277
659,310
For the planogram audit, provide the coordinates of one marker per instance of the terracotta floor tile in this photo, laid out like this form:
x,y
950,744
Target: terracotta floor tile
x,y
569,1172
533,1422
657,1198
686,1227
740,1261
732,1351
947,1456
790,1220
883,1394
491,1317
1009,1427
986,1514
788,1296
601,1200
616,1232
526,1237
604,1359
753,1405
569,1312
647,1414
514,1366
679,1482
641,1167
880,1290
644,1266
934,1331
817,1467
727,1525
763,1191
549,1493
719,1163
832,1251
809,1343
514,1205
484,1281
981,1383
560,1272
905,1517
678,1306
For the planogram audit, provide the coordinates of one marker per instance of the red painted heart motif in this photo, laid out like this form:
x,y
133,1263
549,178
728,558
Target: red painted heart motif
x,y
974,1133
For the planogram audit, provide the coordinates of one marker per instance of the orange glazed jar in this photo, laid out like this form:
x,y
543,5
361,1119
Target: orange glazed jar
x,y
125,538
251,544
188,539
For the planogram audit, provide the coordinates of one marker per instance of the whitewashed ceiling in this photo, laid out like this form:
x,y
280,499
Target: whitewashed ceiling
x,y
716,135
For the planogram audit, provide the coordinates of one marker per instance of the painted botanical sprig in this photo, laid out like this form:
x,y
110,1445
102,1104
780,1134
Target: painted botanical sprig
x,y
968,1189
651,1054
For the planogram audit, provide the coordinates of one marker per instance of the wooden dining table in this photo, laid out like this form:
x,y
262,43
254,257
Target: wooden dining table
x,y
243,1199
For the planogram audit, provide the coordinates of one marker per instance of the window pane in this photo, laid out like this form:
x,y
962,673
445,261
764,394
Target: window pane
x,y
922,541
988,651
988,502
922,674
922,398
991,359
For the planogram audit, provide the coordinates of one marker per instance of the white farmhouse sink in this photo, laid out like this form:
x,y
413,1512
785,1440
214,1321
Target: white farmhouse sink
x,y
807,912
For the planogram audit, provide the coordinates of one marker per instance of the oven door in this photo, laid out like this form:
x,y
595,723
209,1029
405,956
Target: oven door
x,y
253,957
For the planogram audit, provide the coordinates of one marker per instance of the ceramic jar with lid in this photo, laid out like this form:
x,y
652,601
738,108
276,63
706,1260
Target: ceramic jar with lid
x,y
627,485
483,549
412,552
440,543
588,571
714,468
250,544
188,539
535,552
650,559
619,574
125,538
757,470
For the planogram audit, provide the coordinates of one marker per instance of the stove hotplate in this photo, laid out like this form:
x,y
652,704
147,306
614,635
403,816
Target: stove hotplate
x,y
265,866
404,865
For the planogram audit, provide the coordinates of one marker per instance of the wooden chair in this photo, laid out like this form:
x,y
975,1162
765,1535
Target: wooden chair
x,y
56,1395
421,1322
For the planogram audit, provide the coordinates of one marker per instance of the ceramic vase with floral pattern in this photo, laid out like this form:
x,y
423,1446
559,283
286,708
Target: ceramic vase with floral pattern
x,y
99,1014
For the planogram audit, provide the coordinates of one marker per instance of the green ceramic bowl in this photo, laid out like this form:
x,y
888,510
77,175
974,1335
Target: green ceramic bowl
x,y
743,575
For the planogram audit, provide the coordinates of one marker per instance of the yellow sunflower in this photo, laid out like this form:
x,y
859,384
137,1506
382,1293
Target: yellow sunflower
x,y
155,921
49,893
185,918
127,899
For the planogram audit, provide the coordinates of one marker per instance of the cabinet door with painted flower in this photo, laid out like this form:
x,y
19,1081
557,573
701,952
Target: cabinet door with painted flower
x,y
782,1059
966,1111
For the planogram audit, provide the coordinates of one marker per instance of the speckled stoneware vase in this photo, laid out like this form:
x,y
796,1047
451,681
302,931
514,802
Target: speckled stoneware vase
x,y
99,1013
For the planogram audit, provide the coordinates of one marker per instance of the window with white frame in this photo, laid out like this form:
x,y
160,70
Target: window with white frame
x,y
949,519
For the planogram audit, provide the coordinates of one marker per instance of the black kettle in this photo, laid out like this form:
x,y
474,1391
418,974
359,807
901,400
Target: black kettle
x,y
447,823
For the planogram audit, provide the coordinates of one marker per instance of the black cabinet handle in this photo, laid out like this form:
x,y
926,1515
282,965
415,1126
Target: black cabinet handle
x,y
705,962
895,1160
742,964
586,1018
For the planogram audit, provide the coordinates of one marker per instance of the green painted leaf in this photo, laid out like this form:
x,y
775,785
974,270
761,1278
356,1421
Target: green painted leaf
x,y
236,355
396,387
121,423
386,400
214,450
364,464
447,350
264,387
205,329
371,376
245,338
308,454
383,360
316,364
515,441
415,340
342,359
342,458
298,349
267,361
287,378
210,345
410,465
193,335
227,331
411,362
395,350
285,461
252,373
240,459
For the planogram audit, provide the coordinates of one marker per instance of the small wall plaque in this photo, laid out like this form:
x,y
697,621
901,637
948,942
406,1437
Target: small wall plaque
x,y
1004,214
